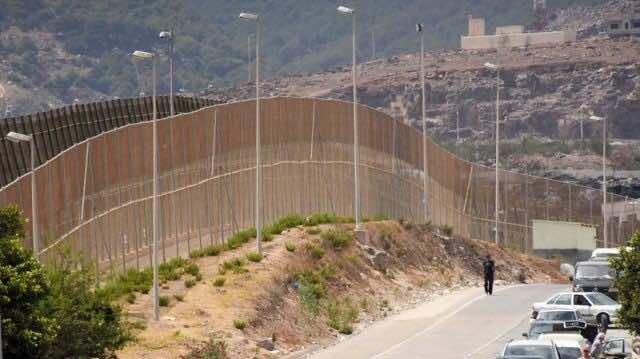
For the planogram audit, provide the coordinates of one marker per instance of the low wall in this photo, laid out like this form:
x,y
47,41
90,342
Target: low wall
x,y
517,39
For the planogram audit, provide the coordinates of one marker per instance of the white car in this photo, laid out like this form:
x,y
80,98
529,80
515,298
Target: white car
x,y
569,344
539,349
594,307
604,253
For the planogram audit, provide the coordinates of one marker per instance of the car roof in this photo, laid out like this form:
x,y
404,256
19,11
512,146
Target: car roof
x,y
606,250
593,263
531,342
558,310
567,343
564,336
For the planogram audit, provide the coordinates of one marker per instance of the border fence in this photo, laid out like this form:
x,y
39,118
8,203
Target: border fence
x,y
95,196
61,128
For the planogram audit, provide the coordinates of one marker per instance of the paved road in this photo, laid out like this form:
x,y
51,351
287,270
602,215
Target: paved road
x,y
466,324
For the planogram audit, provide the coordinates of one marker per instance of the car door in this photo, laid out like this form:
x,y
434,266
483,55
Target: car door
x,y
583,306
563,302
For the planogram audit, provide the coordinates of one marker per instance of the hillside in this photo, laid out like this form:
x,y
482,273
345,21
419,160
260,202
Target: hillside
x,y
56,52
315,285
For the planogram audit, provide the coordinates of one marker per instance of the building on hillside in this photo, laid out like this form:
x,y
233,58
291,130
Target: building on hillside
x,y
624,26
510,36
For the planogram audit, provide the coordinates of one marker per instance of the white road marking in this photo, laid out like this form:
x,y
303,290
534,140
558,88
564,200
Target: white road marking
x,y
442,320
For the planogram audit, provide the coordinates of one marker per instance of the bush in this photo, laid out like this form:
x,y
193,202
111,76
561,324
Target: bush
x,y
131,298
198,277
338,239
628,268
219,282
212,251
189,283
446,229
254,257
313,286
163,301
214,349
198,253
313,231
341,315
192,269
290,247
239,324
179,297
324,218
240,238
235,265
172,269
315,250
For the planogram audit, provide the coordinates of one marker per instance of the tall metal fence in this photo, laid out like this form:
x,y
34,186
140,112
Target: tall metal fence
x,y
95,197
61,128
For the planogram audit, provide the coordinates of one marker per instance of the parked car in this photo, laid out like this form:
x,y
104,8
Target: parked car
x,y
617,348
559,314
569,349
604,253
540,327
594,307
539,349
595,276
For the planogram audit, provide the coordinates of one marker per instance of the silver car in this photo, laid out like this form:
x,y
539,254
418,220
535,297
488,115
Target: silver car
x,y
539,349
594,307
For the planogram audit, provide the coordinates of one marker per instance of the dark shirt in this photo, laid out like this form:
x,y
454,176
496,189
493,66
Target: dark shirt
x,y
489,268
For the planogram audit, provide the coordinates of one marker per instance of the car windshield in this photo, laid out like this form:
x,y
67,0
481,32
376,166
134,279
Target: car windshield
x,y
538,351
540,328
565,315
569,353
600,299
595,271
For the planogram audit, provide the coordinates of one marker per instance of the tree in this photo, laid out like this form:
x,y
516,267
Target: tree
x,y
52,312
23,285
628,268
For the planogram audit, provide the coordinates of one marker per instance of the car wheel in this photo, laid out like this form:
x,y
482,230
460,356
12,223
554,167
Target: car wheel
x,y
603,321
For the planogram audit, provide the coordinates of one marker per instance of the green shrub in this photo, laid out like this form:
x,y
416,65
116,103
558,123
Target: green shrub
x,y
315,250
189,283
338,239
214,349
212,251
219,282
198,253
235,265
192,269
239,324
240,238
376,218
172,269
627,265
179,297
313,286
341,315
290,247
254,257
313,231
198,277
131,298
163,301
131,281
267,237
446,229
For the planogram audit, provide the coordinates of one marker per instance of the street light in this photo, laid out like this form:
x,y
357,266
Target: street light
x,y
20,138
256,18
419,29
343,10
169,35
604,176
496,68
143,56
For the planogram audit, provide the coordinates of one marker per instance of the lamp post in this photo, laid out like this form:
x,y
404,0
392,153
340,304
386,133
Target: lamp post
x,y
249,57
20,138
604,177
170,35
343,10
496,68
419,29
143,56
256,18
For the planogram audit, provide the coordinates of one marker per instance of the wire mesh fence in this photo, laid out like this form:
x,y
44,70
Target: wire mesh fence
x,y
96,197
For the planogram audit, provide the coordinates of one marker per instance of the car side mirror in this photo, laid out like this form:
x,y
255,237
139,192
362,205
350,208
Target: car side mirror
x,y
570,278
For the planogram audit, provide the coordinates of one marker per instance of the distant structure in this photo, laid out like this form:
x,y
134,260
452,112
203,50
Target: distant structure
x,y
541,20
510,36
624,26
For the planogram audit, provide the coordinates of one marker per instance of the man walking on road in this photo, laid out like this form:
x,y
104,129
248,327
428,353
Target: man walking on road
x,y
489,270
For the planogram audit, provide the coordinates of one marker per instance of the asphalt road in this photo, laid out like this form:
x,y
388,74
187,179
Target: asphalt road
x,y
467,324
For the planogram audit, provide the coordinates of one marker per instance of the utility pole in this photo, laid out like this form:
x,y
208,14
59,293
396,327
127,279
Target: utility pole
x,y
419,30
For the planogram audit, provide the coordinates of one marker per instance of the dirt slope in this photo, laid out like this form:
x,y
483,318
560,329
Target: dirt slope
x,y
293,297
